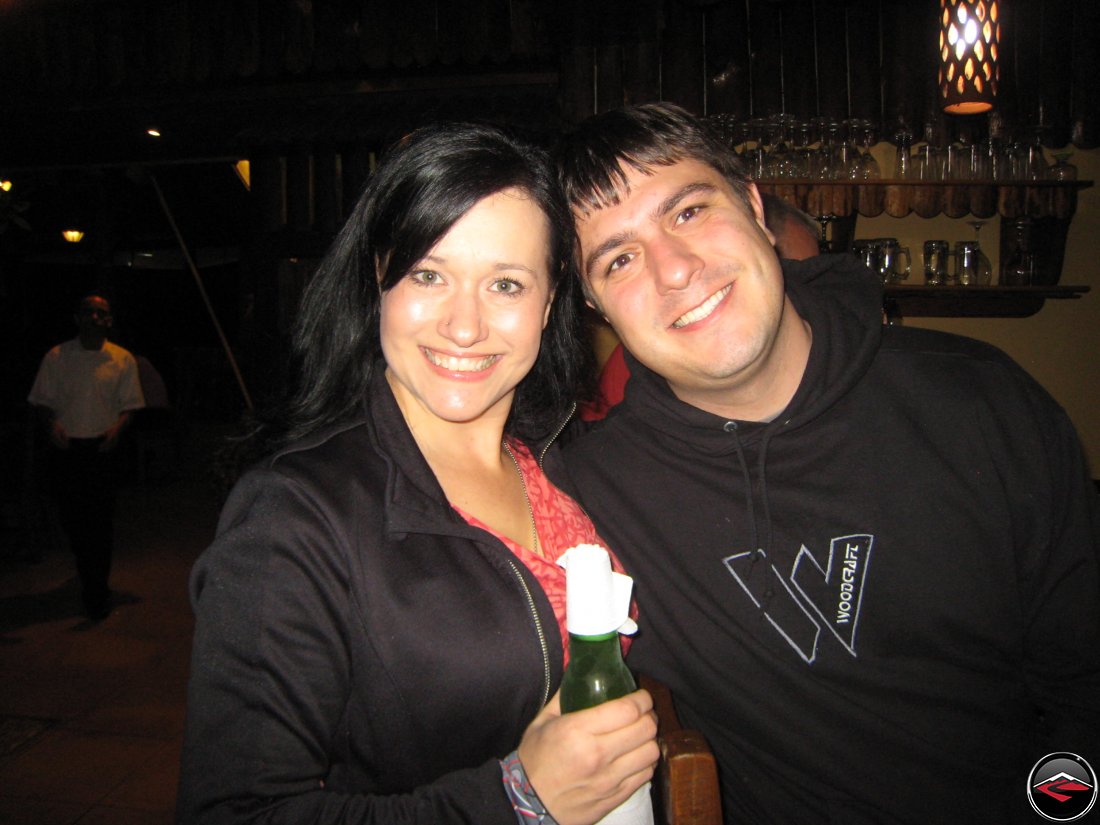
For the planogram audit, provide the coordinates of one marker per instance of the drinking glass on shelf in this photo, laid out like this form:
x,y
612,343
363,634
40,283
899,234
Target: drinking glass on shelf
x,y
928,164
902,154
868,166
780,156
890,253
724,126
1035,161
1021,264
980,166
755,154
847,164
959,160
1062,168
997,156
935,263
866,250
804,154
827,153
972,267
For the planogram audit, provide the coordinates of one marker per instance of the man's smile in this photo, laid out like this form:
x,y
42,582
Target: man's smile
x,y
704,309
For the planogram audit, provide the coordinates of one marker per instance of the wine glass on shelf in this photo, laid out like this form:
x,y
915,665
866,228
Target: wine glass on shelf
x,y
983,269
1062,168
823,243
801,138
755,155
779,155
868,166
847,166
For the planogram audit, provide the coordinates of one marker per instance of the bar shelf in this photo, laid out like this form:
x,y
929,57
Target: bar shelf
x,y
927,199
973,301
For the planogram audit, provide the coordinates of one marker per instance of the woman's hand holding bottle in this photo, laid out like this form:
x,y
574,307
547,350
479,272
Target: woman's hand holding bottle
x,y
585,763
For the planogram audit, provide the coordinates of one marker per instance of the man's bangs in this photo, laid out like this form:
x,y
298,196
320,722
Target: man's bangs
x,y
604,183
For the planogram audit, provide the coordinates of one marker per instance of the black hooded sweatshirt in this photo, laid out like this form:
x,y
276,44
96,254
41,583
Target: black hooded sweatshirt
x,y
883,606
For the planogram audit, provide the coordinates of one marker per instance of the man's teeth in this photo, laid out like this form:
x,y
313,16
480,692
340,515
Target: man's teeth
x,y
455,364
703,310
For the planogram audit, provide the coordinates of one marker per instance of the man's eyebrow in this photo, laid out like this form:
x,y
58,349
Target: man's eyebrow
x,y
610,243
673,200
662,209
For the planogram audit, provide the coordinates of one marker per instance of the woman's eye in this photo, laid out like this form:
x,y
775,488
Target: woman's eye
x,y
426,277
507,286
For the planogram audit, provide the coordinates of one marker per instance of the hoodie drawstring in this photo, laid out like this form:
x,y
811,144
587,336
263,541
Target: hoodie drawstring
x,y
758,550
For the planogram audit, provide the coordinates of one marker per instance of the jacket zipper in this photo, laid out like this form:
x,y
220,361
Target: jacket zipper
x,y
557,432
543,644
538,629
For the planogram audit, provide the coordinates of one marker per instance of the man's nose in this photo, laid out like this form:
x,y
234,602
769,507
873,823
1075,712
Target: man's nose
x,y
674,263
463,320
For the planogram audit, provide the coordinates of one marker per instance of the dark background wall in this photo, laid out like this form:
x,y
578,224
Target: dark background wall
x,y
310,90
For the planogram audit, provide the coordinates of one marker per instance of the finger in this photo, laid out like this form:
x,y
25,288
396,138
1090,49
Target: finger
x,y
634,745
616,714
639,760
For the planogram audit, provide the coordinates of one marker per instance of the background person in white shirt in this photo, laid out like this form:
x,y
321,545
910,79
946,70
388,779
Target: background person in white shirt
x,y
85,391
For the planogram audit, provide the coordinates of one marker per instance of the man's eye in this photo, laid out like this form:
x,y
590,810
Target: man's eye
x,y
688,214
619,261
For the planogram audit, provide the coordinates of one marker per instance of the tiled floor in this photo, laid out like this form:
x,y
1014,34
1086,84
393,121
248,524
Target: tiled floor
x,y
91,715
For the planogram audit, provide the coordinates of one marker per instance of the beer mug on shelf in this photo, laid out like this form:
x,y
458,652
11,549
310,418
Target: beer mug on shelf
x,y
890,253
936,254
866,250
972,267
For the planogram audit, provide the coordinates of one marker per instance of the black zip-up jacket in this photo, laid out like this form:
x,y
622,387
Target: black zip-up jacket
x,y
881,607
361,654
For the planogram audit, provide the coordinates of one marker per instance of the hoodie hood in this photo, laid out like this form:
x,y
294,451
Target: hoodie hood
x,y
842,302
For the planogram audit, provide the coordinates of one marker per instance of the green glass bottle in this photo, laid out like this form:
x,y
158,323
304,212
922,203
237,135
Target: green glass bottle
x,y
597,608
596,672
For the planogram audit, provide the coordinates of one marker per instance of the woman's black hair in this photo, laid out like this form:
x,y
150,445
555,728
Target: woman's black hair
x,y
424,184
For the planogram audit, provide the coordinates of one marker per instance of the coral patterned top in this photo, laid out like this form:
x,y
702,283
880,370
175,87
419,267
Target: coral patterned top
x,y
561,524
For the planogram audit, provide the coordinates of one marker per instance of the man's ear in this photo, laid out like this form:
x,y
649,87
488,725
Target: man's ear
x,y
756,203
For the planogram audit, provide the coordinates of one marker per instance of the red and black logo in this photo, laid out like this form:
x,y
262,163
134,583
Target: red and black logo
x,y
1062,787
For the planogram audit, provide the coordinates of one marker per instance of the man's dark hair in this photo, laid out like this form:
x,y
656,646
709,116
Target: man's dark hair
x,y
643,137
421,188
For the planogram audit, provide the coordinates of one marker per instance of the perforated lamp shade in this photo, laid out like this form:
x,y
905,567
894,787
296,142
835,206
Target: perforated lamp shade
x,y
970,36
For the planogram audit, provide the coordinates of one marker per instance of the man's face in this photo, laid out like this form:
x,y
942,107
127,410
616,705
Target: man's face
x,y
93,318
686,273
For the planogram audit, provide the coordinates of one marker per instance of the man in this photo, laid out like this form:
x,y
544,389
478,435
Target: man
x,y
796,233
795,237
865,556
85,391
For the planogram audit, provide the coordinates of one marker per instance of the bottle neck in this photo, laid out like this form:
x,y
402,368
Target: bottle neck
x,y
602,637
603,650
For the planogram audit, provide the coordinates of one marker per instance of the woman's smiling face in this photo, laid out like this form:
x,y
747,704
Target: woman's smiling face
x,y
462,328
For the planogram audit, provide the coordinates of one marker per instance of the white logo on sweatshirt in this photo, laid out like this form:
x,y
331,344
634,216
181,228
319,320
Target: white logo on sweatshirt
x,y
817,595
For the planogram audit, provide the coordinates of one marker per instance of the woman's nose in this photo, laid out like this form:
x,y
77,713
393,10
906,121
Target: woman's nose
x,y
463,320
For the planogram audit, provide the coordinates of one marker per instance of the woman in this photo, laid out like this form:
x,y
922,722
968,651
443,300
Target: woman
x,y
374,638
